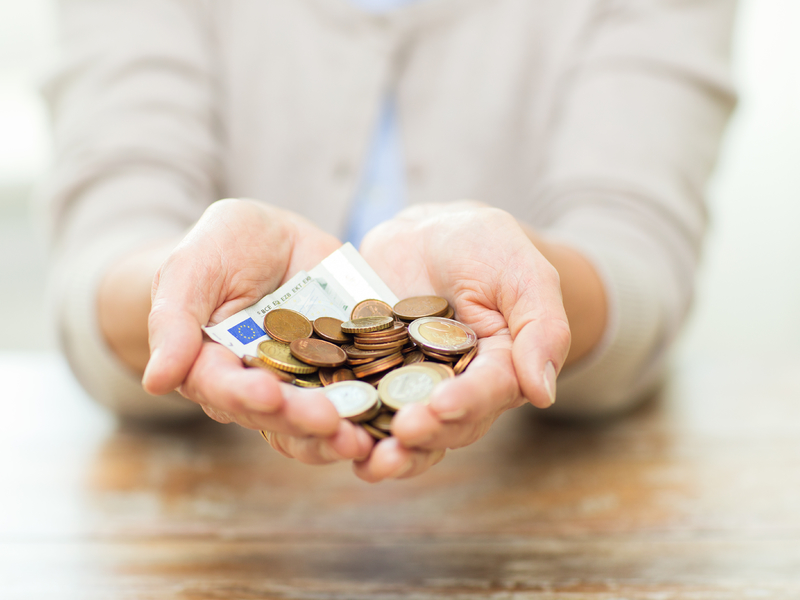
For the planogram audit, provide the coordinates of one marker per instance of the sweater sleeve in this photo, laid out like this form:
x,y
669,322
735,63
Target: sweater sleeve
x,y
136,161
642,111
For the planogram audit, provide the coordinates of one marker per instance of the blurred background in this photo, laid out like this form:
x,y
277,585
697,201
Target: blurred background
x,y
749,289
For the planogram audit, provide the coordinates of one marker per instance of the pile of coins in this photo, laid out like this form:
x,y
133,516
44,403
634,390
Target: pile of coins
x,y
383,358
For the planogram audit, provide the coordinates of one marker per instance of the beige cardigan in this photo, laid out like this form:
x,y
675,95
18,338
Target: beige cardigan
x,y
596,121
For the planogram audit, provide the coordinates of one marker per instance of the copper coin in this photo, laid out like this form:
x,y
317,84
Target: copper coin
x,y
326,376
376,433
287,325
255,362
330,330
448,358
378,366
450,313
354,353
383,422
374,380
318,353
420,306
353,362
371,308
442,335
367,324
343,375
398,329
414,357
464,361
278,356
384,346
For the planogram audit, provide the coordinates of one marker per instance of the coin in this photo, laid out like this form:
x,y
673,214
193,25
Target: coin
x,y
311,380
442,335
371,308
445,370
408,385
326,376
375,432
318,353
255,362
383,422
287,325
464,361
352,398
355,354
278,356
367,324
330,330
449,358
420,306
378,366
343,375
414,357
396,331
380,346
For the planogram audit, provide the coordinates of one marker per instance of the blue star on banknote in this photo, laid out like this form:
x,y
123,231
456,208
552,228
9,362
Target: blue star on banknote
x,y
246,331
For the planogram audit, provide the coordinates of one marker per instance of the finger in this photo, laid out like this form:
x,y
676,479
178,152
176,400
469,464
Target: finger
x,y
390,460
538,325
348,443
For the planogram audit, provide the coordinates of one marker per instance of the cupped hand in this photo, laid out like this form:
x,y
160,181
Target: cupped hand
x,y
499,284
239,251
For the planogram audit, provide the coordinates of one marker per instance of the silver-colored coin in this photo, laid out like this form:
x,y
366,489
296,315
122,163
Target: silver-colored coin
x,y
352,398
413,384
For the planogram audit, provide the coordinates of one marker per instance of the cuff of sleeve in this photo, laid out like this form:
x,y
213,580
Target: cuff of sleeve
x,y
94,364
627,363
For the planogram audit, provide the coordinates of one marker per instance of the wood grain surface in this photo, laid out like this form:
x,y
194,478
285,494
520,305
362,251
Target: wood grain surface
x,y
694,495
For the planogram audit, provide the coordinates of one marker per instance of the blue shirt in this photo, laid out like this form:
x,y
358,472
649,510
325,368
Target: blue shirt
x,y
381,192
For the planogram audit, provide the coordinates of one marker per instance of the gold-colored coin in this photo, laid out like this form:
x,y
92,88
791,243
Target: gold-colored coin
x,y
445,370
444,336
255,362
413,357
413,384
420,306
278,356
371,308
287,325
464,361
312,380
376,433
367,324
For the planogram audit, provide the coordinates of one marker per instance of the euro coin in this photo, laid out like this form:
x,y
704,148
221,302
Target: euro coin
x,y
445,370
371,308
380,346
464,361
287,325
414,357
355,354
318,353
383,422
375,432
330,330
367,324
378,366
278,356
444,336
413,384
255,362
420,306
343,375
312,380
352,399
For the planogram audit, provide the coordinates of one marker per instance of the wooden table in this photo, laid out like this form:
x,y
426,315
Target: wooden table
x,y
695,495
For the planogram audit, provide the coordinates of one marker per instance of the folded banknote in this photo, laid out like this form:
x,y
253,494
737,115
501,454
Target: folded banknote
x,y
331,289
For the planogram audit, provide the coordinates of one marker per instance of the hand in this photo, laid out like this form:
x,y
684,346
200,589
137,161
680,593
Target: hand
x,y
481,260
238,252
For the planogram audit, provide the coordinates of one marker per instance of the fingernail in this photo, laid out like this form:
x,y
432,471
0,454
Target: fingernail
x,y
550,381
452,415
151,364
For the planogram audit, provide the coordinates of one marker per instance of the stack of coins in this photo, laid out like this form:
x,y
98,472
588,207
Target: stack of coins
x,y
374,364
